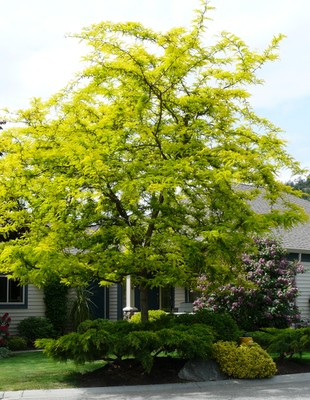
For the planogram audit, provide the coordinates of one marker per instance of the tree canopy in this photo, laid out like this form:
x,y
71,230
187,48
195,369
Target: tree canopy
x,y
134,167
302,184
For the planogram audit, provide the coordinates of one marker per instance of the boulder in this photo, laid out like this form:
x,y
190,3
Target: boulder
x,y
201,370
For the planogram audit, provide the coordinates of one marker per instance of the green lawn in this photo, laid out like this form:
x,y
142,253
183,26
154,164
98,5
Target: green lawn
x,y
35,371
305,357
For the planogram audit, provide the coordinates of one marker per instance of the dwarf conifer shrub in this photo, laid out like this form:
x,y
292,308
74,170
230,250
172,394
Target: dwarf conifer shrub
x,y
110,341
224,326
248,361
284,342
114,327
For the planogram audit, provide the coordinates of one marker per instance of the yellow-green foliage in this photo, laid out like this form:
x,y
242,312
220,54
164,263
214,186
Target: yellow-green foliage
x,y
246,361
111,340
154,315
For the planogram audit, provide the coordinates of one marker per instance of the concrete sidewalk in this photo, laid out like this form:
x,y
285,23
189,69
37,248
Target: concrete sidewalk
x,y
284,387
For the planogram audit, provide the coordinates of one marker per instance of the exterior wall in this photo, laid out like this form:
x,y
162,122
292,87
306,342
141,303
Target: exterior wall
x,y
35,308
303,284
179,297
113,302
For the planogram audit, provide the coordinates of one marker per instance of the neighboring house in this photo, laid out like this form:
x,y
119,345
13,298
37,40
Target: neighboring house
x,y
21,302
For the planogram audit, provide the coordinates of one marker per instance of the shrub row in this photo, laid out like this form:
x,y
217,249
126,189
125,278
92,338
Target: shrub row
x,y
223,325
107,340
110,341
283,342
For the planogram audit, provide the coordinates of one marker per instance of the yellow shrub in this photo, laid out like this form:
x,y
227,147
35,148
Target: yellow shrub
x,y
154,315
246,361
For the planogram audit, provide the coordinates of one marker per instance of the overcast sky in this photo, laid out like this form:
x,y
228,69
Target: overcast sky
x,y
37,59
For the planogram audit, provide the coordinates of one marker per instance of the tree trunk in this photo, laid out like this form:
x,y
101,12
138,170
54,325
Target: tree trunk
x,y
144,304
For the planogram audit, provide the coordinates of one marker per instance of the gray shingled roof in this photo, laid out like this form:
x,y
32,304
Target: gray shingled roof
x,y
296,239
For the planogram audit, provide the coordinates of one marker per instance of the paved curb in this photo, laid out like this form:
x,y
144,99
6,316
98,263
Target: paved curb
x,y
161,391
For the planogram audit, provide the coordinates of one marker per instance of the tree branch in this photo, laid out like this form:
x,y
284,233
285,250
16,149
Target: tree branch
x,y
119,207
151,227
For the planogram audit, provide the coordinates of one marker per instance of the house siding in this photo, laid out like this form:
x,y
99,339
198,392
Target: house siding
x,y
35,308
113,302
179,297
303,284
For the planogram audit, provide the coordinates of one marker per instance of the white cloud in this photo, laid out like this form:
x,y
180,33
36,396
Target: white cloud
x,y
37,59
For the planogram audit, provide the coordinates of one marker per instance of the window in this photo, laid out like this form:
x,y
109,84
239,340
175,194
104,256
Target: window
x,y
292,256
166,298
191,295
305,258
11,292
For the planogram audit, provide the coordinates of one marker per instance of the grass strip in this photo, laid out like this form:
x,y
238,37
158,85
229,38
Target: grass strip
x,y
34,370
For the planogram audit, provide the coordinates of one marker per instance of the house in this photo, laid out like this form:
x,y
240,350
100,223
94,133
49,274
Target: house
x,y
297,243
112,302
295,240
20,301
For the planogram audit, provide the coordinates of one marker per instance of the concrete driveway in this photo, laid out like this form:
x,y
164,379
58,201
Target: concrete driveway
x,y
284,387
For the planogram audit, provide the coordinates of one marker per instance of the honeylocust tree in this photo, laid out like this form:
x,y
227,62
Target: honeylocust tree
x,y
134,167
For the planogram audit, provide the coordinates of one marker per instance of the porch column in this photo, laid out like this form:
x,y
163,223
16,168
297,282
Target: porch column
x,y
130,309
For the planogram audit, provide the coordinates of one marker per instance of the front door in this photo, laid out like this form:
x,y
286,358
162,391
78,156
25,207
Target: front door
x,y
153,300
100,299
159,299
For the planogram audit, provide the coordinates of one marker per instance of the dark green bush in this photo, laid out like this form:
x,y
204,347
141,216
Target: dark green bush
x,y
190,342
33,328
109,340
264,336
121,326
17,343
56,304
5,353
225,327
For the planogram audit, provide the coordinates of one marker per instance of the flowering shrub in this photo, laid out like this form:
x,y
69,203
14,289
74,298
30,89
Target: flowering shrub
x,y
267,296
4,329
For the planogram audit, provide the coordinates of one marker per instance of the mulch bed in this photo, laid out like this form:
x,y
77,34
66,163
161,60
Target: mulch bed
x,y
165,370
130,372
292,366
